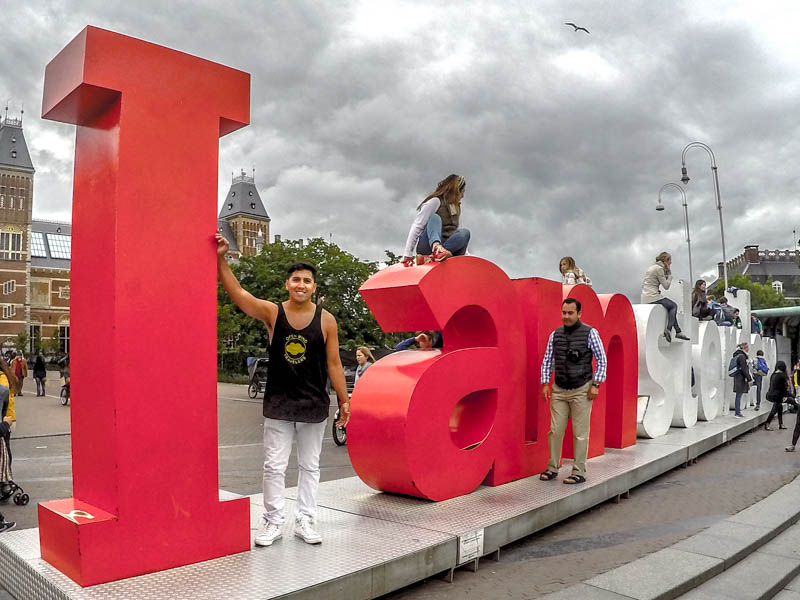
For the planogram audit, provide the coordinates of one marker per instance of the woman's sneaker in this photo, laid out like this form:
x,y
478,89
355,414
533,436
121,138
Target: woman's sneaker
x,y
789,448
267,533
304,530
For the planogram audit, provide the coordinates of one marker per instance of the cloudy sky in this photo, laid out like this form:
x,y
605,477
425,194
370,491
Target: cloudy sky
x,y
360,107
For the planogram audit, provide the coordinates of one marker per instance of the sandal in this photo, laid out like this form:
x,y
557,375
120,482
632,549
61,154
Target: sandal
x,y
440,253
548,475
574,478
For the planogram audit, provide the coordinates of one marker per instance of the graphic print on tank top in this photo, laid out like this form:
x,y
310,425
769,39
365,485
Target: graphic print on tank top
x,y
297,371
294,350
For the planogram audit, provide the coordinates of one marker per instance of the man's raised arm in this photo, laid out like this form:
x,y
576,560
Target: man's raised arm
x,y
254,307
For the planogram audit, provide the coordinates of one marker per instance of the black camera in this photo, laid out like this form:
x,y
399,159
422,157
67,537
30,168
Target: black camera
x,y
573,356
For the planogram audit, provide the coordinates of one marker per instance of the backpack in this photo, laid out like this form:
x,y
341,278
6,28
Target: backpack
x,y
761,365
733,367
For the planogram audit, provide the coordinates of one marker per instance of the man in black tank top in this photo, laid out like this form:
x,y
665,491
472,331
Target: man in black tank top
x,y
303,353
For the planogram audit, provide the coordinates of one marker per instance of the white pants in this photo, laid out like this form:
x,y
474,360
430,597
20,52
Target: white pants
x,y
278,437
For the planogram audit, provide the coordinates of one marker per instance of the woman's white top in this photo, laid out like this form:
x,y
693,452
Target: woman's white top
x,y
423,215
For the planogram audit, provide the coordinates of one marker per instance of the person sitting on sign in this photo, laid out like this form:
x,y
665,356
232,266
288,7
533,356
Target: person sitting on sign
x,y
656,277
424,340
436,233
571,274
700,302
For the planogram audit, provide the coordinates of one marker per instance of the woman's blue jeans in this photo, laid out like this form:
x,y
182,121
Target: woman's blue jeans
x,y
456,243
757,379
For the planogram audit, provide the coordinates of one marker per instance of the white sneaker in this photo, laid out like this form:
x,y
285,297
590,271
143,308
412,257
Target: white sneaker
x,y
304,530
267,533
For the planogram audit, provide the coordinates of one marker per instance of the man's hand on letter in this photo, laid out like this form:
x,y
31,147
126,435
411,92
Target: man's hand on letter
x,y
344,414
222,244
546,392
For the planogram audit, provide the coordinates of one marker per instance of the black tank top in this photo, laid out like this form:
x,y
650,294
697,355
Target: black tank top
x,y
298,372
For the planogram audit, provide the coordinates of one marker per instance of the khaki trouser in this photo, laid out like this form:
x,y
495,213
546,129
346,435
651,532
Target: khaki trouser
x,y
563,405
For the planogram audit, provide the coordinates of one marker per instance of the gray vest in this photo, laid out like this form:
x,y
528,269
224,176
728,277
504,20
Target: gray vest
x,y
571,374
449,222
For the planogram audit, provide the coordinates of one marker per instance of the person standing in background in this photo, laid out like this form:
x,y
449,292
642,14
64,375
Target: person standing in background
x,y
760,370
20,368
39,374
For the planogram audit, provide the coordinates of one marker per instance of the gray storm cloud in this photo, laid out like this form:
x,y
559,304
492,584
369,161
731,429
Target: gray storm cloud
x,y
358,108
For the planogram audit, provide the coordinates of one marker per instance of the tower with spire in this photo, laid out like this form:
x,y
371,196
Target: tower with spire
x,y
16,196
34,255
243,219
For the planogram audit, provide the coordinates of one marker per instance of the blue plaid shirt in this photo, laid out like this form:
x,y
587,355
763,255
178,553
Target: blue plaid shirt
x,y
595,344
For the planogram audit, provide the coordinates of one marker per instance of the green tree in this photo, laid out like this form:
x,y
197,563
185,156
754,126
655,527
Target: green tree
x,y
339,276
52,345
392,258
21,341
37,341
762,295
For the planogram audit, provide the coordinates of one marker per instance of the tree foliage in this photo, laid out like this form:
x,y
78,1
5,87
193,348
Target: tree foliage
x,y
762,295
21,341
339,276
392,258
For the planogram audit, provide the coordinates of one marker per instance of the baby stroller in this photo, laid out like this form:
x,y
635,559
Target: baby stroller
x,y
257,369
8,487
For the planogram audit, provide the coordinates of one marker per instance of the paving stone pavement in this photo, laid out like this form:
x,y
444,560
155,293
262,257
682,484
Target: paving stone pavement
x,y
660,513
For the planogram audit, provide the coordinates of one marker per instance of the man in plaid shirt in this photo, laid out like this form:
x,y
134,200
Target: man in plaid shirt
x,y
569,354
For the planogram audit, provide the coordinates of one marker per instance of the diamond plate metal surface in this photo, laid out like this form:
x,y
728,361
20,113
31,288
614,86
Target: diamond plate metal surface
x,y
485,506
706,429
362,530
351,543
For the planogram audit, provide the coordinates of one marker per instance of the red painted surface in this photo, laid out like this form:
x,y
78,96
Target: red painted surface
x,y
613,422
436,424
144,449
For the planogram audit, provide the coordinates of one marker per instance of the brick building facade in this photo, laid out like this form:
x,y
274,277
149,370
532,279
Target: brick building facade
x,y
779,267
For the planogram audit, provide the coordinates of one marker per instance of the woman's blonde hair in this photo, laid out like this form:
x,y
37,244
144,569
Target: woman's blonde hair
x,y
366,352
571,266
447,189
663,257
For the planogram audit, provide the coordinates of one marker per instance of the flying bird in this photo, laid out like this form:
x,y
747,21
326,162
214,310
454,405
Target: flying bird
x,y
577,28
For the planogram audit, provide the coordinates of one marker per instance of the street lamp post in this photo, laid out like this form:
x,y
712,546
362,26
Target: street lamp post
x,y
685,180
660,206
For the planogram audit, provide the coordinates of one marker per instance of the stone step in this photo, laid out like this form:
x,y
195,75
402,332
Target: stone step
x,y
761,575
791,591
761,538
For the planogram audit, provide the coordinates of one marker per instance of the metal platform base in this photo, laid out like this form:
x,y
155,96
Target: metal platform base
x,y
373,542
